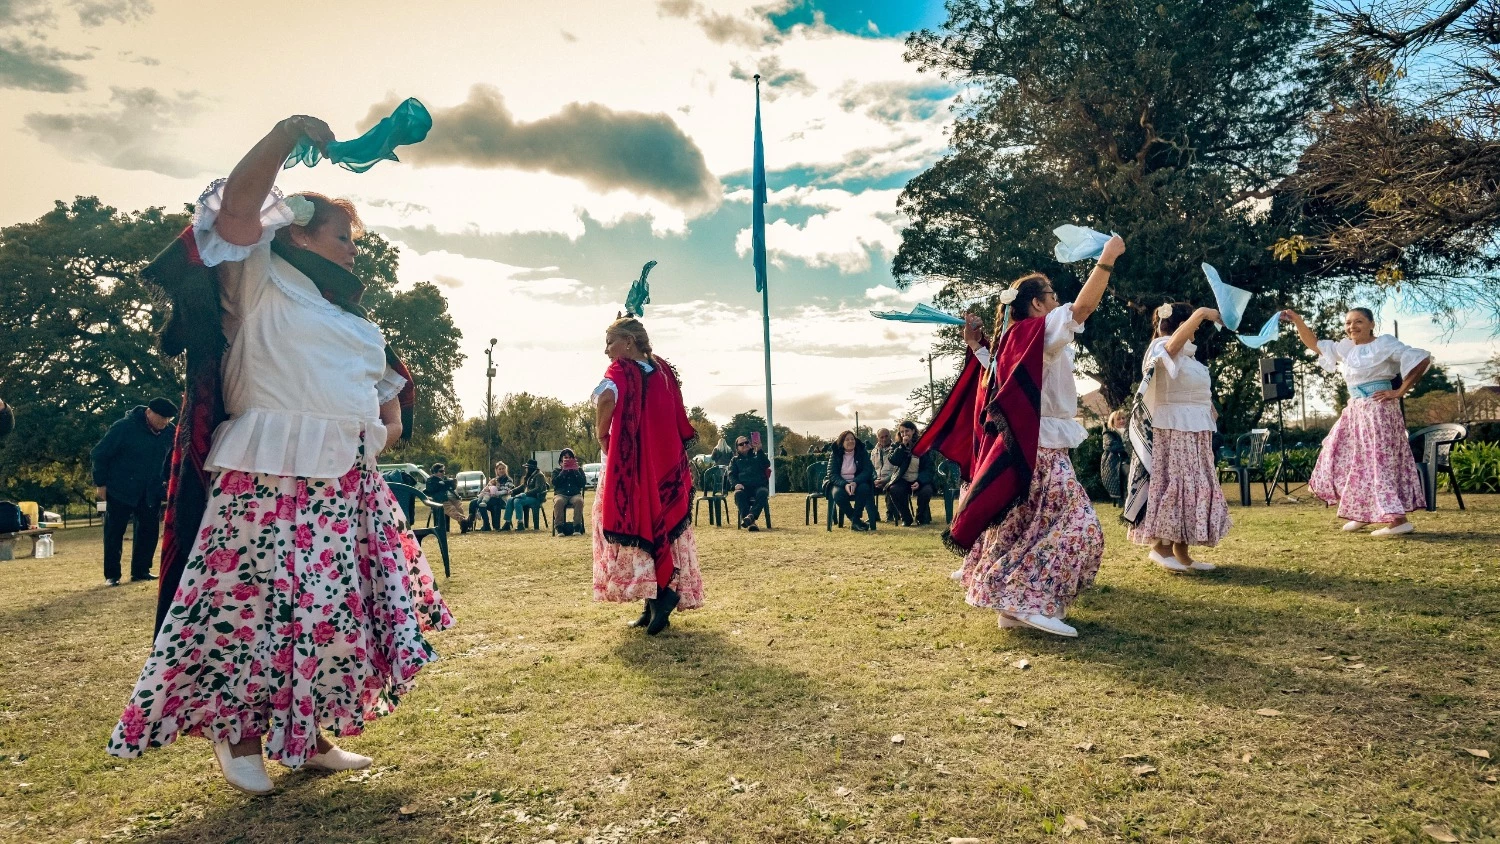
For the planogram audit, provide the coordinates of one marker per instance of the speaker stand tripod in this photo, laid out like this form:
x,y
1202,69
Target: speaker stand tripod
x,y
1279,476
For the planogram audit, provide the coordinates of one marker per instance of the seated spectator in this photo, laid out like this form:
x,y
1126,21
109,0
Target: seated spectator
x,y
749,474
916,477
850,479
568,482
440,490
885,470
533,490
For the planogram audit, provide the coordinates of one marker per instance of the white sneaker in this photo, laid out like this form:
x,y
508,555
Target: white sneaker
x,y
1395,530
1168,563
1007,622
1047,624
337,759
1351,527
247,773
1199,565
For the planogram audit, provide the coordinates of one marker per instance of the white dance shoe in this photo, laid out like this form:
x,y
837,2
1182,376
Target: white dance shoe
x,y
1007,622
336,758
247,773
1046,624
1353,527
957,575
1199,565
1394,530
1168,563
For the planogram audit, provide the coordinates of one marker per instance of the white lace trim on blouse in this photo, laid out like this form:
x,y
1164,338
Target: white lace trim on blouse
x,y
213,249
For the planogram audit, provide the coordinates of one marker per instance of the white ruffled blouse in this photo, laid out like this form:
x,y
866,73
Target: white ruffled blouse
x,y
1180,394
1060,427
1381,359
303,378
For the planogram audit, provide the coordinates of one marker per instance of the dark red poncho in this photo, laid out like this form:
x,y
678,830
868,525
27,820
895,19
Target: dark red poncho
x,y
647,483
989,427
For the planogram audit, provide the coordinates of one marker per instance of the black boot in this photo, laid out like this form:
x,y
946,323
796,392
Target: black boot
x,y
645,618
860,526
661,607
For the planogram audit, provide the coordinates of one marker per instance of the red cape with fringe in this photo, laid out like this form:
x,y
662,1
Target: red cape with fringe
x,y
647,484
990,429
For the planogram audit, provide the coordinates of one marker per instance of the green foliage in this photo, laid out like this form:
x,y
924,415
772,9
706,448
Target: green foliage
x,y
1086,466
750,422
77,338
1477,466
1159,120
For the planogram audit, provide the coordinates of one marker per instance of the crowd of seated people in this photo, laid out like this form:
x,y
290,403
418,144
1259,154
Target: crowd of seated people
x,y
503,502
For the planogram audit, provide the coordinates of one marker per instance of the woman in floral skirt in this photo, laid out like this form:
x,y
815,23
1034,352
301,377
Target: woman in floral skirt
x,y
300,609
1029,535
1366,465
1184,504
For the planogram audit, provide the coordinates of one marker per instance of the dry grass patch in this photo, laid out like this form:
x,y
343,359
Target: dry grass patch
x,y
1318,687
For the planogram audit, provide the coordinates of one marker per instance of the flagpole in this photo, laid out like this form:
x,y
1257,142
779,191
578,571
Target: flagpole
x,y
758,239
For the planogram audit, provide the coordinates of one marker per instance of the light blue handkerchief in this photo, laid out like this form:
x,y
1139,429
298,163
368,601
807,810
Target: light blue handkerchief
x,y
921,313
408,124
1077,243
1267,331
1231,300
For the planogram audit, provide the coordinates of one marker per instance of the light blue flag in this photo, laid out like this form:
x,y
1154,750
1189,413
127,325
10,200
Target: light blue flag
x,y
921,313
408,124
1266,335
1230,300
758,202
1077,243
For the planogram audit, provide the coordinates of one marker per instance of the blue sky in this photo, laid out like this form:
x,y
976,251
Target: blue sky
x,y
573,141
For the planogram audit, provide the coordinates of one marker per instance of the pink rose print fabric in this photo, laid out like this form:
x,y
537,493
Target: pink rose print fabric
x,y
302,608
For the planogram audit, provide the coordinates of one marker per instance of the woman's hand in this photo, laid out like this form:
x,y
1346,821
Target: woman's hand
x,y
849,488
973,332
1113,248
299,126
1389,395
1292,316
1207,315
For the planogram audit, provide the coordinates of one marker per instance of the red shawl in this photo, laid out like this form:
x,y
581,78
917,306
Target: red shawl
x,y
989,428
647,483
196,327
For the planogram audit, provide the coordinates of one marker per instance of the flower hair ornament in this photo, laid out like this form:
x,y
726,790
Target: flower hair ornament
x,y
1164,311
302,209
1008,295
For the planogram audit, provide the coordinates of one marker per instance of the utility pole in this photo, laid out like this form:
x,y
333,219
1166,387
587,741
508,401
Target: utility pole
x,y
931,390
489,407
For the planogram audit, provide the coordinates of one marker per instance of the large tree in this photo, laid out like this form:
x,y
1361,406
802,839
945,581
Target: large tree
x,y
78,336
1401,187
1168,121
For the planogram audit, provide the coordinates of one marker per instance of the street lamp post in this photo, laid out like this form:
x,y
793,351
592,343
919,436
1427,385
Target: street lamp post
x,y
489,407
931,391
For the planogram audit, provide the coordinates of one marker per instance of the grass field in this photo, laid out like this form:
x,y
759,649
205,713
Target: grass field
x,y
1318,687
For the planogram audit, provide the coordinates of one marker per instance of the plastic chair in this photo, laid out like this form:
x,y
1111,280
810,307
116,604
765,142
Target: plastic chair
x,y
870,505
713,493
408,497
582,511
952,479
1431,447
1248,457
766,511
815,473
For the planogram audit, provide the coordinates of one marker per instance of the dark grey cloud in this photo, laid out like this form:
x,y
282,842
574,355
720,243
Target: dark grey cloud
x,y
720,27
774,77
34,67
132,133
605,149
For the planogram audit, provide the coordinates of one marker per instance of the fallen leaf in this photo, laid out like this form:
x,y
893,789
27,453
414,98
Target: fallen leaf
x,y
1268,713
1246,758
1085,746
1072,824
1018,723
1143,770
1290,691
1356,666
841,792
406,813
898,739
965,841
1021,664
1491,778
1326,658
1133,757
1482,754
1439,832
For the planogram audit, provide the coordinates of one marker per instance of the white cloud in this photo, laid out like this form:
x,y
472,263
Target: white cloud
x,y
852,226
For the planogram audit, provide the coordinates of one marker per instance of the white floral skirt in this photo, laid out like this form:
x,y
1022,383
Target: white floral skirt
x,y
301,609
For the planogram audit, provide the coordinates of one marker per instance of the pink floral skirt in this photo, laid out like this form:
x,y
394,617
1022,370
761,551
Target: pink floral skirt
x,y
624,573
1366,465
1044,552
1184,502
301,609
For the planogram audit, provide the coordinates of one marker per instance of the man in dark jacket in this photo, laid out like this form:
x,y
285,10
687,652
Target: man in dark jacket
x,y
915,476
750,475
568,482
130,468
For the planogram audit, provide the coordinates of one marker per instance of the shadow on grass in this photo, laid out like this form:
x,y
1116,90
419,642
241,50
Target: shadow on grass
x,y
715,680
296,811
1456,600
